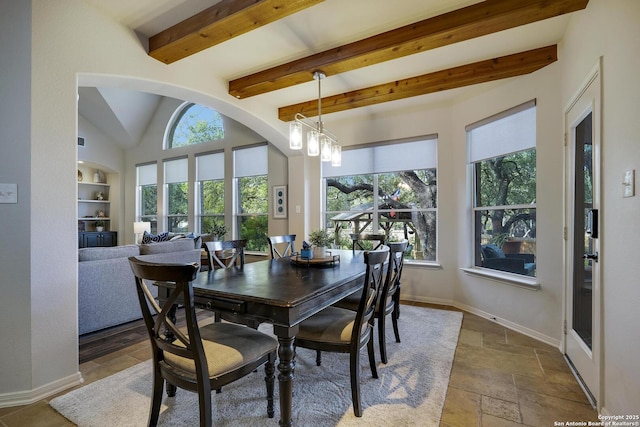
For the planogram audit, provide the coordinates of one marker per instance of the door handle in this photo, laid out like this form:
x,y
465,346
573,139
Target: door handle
x,y
593,256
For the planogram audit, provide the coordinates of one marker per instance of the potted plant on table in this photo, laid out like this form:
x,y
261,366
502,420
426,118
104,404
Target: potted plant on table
x,y
99,225
320,239
219,231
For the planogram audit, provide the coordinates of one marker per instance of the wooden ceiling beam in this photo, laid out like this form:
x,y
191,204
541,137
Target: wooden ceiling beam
x,y
465,75
219,23
477,20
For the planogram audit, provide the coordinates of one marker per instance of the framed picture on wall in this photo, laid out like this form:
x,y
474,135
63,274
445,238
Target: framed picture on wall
x,y
279,201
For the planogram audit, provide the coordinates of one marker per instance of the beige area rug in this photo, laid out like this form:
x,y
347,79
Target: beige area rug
x,y
410,390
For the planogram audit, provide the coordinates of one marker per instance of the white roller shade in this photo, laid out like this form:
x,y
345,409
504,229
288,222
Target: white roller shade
x,y
250,161
210,167
508,132
176,171
395,157
148,174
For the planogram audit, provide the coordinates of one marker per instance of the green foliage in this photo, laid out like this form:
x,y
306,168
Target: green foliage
x,y
149,200
212,197
320,238
195,125
219,230
254,230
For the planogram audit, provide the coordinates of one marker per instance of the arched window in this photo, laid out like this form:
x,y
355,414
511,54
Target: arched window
x,y
194,124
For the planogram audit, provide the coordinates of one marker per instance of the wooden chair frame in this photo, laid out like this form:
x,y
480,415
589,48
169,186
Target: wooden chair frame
x,y
167,338
356,240
362,330
289,249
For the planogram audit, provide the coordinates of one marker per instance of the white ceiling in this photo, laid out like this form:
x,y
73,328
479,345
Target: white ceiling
x,y
124,114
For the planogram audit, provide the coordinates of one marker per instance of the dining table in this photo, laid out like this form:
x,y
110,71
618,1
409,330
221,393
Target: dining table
x,y
282,292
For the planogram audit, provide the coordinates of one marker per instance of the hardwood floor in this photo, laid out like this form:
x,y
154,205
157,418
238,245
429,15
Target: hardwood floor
x,y
499,377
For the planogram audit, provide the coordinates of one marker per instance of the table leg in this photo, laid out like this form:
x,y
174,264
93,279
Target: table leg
x,y
286,368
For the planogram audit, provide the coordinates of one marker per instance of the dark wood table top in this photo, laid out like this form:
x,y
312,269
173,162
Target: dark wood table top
x,y
278,291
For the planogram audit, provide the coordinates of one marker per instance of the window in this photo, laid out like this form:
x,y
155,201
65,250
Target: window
x,y
252,214
194,124
209,191
390,189
502,158
147,195
176,194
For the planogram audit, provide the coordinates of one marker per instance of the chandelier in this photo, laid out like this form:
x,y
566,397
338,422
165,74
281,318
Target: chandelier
x,y
319,140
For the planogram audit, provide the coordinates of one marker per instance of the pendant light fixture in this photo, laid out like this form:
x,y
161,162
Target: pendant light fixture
x,y
319,140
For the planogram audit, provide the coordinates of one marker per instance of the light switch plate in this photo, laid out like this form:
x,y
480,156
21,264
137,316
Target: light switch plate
x,y
8,193
628,183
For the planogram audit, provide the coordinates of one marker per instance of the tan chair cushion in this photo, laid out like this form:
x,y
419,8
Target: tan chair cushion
x,y
227,347
333,325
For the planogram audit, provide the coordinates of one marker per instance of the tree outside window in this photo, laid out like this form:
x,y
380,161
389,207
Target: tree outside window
x,y
253,218
395,200
195,124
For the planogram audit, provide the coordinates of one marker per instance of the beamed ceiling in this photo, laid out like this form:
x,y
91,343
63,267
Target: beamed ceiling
x,y
371,51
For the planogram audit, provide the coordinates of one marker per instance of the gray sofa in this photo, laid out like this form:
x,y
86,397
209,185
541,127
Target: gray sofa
x,y
106,286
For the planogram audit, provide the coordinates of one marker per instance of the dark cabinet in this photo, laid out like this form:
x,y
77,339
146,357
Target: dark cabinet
x,y
90,239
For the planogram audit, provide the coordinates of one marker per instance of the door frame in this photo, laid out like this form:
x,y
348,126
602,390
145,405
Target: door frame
x,y
594,77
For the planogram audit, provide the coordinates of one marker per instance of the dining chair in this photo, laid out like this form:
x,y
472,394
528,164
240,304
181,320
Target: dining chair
x,y
225,254
228,254
357,241
282,246
339,330
389,298
202,358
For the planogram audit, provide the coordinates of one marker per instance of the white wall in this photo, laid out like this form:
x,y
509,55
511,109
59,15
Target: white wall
x,y
15,222
611,30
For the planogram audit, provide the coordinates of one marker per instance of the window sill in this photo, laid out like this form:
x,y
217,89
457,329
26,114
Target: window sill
x,y
525,282
431,265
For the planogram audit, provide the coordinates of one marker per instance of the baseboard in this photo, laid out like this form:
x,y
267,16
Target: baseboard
x,y
28,397
506,323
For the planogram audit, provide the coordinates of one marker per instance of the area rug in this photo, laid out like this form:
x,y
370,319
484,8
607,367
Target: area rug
x,y
410,390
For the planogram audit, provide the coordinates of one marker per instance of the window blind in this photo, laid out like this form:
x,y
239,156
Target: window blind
x,y
505,133
394,157
250,161
210,166
147,174
176,170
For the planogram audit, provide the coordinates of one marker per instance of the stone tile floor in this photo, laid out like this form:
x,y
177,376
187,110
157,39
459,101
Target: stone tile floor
x,y
499,378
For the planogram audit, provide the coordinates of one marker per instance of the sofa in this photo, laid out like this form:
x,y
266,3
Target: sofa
x,y
493,257
106,286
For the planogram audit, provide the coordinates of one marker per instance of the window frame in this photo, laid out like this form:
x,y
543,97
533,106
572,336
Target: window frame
x,y
203,176
475,208
375,224
176,119
150,180
246,166
166,217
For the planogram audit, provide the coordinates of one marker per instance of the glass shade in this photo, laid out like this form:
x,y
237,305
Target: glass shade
x,y
295,135
336,155
325,149
313,143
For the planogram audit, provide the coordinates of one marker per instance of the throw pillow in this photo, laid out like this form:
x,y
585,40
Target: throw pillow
x,y
150,238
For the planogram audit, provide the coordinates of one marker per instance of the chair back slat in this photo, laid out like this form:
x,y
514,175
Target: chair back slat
x,y
282,246
376,262
233,251
392,282
377,240
164,334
